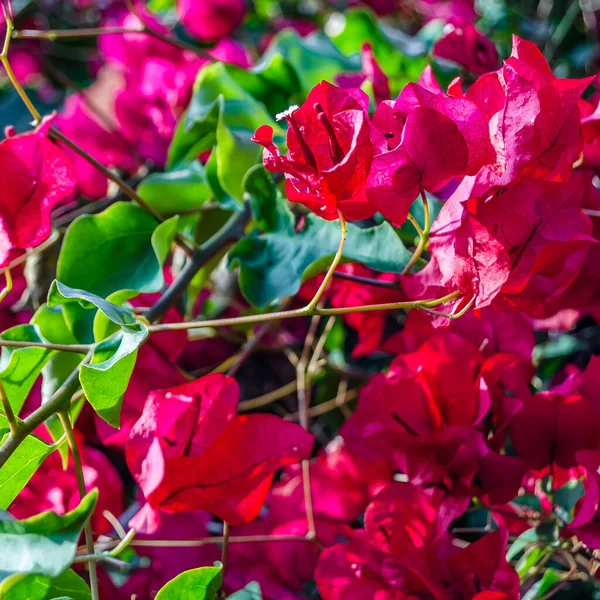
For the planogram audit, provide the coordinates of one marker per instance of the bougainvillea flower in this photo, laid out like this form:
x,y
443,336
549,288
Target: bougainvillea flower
x,y
427,416
53,488
331,145
468,117
36,176
489,330
189,451
552,428
108,147
431,153
590,131
403,554
211,20
342,483
464,44
523,246
374,73
130,50
533,118
586,524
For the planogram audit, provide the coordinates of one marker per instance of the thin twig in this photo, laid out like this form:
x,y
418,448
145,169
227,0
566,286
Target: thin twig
x,y
269,397
249,539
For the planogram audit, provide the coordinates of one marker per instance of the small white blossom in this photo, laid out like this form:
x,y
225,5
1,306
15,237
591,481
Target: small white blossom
x,y
287,113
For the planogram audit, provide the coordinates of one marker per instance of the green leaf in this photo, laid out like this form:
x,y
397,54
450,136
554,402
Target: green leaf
x,y
54,328
183,189
60,294
67,586
550,578
223,116
269,208
531,557
24,587
20,467
114,250
105,380
159,6
312,59
20,367
250,592
544,533
44,544
358,26
195,584
274,264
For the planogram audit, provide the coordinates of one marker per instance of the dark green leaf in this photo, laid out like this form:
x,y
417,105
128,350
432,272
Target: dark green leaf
x,y
60,294
20,467
195,584
44,544
566,497
20,367
115,250
105,380
273,265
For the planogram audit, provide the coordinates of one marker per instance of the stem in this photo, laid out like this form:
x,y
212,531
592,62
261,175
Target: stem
x,y
9,284
71,34
423,234
77,348
57,402
65,419
231,232
305,312
246,539
159,36
8,411
224,552
336,261
268,398
392,285
10,73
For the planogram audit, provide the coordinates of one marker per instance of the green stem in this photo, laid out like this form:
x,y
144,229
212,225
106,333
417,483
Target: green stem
x,y
77,348
13,424
423,234
304,312
336,261
65,419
